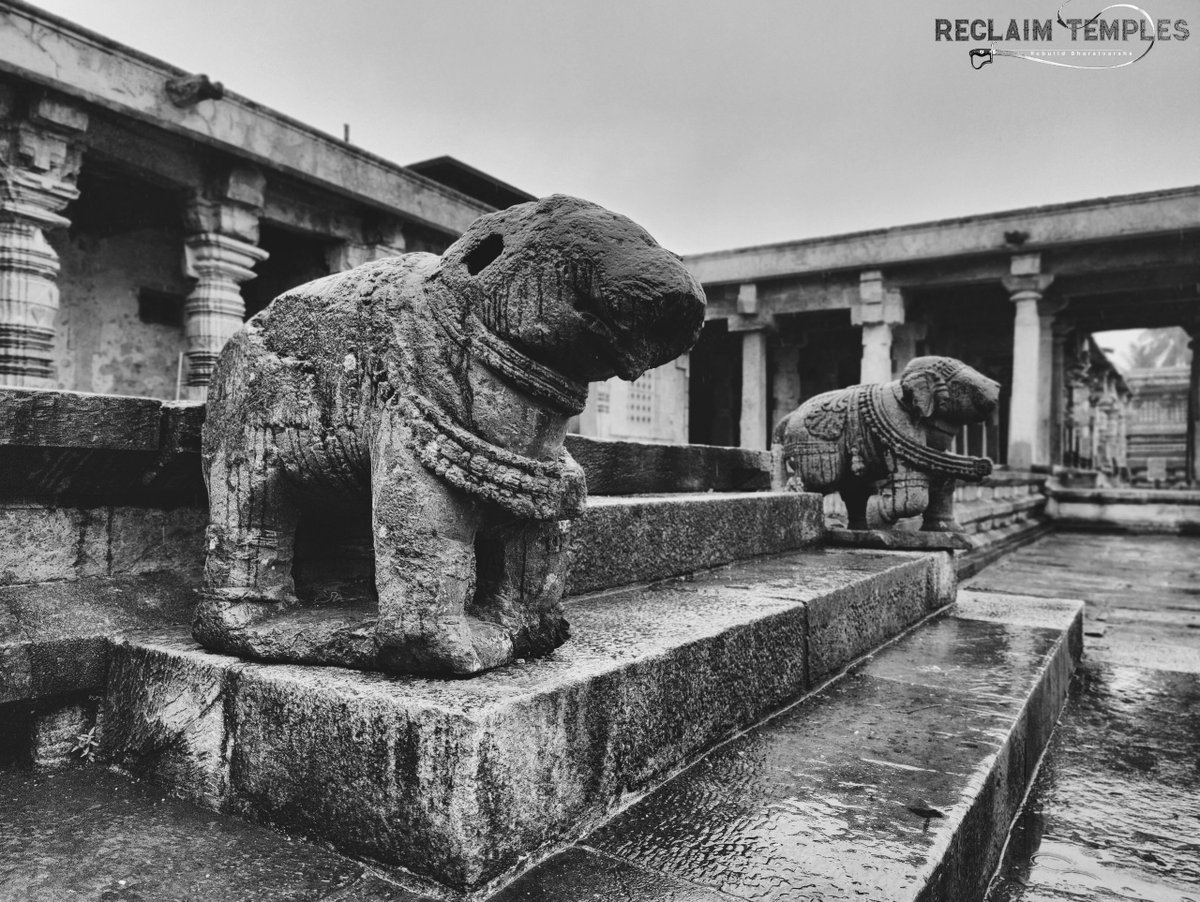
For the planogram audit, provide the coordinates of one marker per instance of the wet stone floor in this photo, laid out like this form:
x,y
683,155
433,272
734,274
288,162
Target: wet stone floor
x,y
1115,811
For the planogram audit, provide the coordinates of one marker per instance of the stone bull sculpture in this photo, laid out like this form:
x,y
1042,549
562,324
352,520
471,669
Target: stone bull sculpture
x,y
883,447
443,386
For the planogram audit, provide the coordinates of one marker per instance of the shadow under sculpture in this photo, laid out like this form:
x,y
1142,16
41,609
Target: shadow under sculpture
x,y
442,386
884,447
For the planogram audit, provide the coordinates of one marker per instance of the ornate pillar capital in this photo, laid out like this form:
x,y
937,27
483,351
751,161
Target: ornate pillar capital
x,y
40,155
1027,287
220,252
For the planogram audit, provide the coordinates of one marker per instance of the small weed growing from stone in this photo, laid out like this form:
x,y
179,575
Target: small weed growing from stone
x,y
87,745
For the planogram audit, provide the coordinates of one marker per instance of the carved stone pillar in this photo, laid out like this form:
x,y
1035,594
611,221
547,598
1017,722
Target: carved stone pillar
x,y
878,311
1193,409
1029,413
39,163
220,254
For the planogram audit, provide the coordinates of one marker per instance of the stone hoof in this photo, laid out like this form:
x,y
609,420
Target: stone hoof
x,y
942,525
461,648
551,631
223,614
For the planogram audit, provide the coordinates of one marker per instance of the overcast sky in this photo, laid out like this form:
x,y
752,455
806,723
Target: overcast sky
x,y
713,124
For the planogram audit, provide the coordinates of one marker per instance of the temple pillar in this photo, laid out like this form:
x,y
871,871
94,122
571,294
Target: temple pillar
x,y
785,382
39,164
1193,409
1060,332
753,427
755,326
220,254
905,337
878,311
1029,413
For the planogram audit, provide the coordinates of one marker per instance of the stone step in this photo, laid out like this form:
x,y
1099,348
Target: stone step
x,y
896,783
466,782
55,627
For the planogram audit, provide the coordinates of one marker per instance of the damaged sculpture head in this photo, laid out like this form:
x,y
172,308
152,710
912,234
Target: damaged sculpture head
x,y
884,447
442,387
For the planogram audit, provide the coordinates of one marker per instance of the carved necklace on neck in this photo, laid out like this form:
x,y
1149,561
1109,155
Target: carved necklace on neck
x,y
535,379
870,402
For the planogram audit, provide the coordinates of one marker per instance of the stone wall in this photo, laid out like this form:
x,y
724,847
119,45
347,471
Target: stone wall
x,y
102,343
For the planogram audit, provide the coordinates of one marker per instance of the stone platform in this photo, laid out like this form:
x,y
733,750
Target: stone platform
x,y
816,803
467,782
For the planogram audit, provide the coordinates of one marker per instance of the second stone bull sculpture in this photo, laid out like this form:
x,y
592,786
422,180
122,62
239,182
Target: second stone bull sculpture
x,y
884,447
443,386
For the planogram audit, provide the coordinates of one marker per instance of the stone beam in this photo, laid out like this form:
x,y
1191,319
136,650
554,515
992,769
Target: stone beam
x,y
1129,216
51,51
1126,282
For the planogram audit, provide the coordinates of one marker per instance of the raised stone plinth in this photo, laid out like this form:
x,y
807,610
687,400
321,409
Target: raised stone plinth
x,y
466,782
1171,511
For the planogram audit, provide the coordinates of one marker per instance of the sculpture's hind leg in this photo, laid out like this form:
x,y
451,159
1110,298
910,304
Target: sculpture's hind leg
x,y
250,539
522,573
855,498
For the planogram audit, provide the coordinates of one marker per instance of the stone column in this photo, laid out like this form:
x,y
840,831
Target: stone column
x,y
1059,415
1193,409
751,321
753,428
786,383
220,253
39,164
904,344
1029,413
878,311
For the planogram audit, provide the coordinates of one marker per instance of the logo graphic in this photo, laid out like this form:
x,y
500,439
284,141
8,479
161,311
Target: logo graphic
x,y
1093,43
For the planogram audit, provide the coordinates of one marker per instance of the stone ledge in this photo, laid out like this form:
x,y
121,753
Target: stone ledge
x,y
72,446
1132,510
628,539
640,468
464,781
70,578
54,636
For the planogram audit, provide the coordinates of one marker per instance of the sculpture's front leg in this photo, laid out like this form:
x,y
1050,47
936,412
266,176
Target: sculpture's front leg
x,y
424,534
522,574
939,515
903,494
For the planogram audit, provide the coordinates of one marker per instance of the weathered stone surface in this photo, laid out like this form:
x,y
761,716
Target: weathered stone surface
x,y
40,543
899,432
88,834
819,803
91,450
166,703
849,622
622,540
441,386
54,734
54,636
60,419
462,780
645,468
